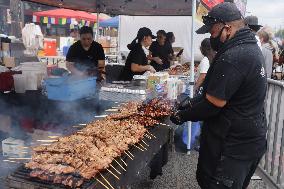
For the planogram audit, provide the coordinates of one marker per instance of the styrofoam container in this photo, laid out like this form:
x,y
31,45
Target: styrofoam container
x,y
20,83
31,81
12,147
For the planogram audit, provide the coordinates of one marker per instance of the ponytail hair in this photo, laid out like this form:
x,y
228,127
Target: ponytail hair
x,y
132,44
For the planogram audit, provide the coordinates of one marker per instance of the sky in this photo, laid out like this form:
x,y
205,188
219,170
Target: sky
x,y
269,12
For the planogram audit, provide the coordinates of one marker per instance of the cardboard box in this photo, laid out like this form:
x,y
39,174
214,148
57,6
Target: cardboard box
x,y
157,78
9,62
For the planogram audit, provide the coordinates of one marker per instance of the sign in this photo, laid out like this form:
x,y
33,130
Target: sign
x,y
201,11
209,4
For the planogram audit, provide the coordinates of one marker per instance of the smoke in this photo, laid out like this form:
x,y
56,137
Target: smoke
x,y
31,117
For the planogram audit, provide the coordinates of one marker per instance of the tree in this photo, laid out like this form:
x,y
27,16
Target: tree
x,y
280,33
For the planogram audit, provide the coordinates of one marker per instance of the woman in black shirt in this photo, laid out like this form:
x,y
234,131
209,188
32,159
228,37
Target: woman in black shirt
x,y
137,62
160,52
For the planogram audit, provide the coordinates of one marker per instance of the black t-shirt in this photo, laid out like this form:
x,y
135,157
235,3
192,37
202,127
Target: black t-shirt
x,y
237,75
135,56
85,59
163,52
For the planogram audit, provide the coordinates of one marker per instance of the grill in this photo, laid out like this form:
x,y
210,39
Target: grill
x,y
21,179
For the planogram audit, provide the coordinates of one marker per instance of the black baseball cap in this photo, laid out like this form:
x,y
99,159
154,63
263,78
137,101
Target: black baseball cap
x,y
221,13
143,32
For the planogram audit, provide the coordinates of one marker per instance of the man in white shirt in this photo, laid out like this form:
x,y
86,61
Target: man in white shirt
x,y
266,51
204,65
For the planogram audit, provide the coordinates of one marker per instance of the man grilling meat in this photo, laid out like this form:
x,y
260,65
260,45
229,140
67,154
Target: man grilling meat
x,y
233,136
86,57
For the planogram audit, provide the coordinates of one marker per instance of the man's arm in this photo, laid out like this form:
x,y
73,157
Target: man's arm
x,y
101,69
142,68
223,83
199,81
70,66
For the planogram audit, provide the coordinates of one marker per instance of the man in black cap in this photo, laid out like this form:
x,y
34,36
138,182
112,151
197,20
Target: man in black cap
x,y
233,136
252,23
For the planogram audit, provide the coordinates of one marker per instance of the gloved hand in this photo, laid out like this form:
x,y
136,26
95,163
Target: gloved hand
x,y
183,102
176,118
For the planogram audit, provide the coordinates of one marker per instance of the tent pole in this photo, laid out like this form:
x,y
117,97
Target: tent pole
x,y
98,25
191,69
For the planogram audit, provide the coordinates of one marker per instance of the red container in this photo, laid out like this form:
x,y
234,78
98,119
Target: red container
x,y
6,81
49,47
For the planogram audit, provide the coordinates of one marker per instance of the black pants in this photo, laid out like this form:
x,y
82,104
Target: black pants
x,y
229,173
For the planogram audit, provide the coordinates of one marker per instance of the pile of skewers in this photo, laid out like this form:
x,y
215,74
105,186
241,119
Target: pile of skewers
x,y
84,155
180,70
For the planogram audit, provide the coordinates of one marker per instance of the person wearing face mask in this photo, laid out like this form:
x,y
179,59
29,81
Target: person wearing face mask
x,y
233,135
137,61
160,52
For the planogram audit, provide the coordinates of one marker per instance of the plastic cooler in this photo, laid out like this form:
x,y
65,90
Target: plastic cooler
x,y
69,89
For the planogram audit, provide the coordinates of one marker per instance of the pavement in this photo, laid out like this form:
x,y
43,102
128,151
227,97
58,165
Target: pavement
x,y
179,172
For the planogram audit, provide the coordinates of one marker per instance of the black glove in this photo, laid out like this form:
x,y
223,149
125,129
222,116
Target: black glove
x,y
183,102
176,118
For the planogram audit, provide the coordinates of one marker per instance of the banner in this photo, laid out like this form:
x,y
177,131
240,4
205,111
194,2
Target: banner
x,y
209,4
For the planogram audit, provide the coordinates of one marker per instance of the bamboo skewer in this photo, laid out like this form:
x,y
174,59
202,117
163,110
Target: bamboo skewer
x,y
142,146
106,181
113,174
120,165
102,183
123,161
130,153
115,169
144,142
151,134
148,136
138,147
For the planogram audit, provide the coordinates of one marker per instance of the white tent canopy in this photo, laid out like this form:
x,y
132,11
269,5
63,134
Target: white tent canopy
x,y
179,25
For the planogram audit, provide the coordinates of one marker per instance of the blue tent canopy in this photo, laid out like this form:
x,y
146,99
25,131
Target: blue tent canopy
x,y
112,22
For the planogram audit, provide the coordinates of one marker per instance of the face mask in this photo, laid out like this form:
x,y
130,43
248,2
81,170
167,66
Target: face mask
x,y
215,42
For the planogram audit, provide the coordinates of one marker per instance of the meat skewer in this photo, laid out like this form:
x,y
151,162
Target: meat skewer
x,y
115,169
113,174
102,183
119,165
145,142
128,155
106,181
123,161
142,146
93,148
138,147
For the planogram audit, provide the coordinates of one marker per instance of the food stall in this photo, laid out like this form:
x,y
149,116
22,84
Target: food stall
x,y
93,142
